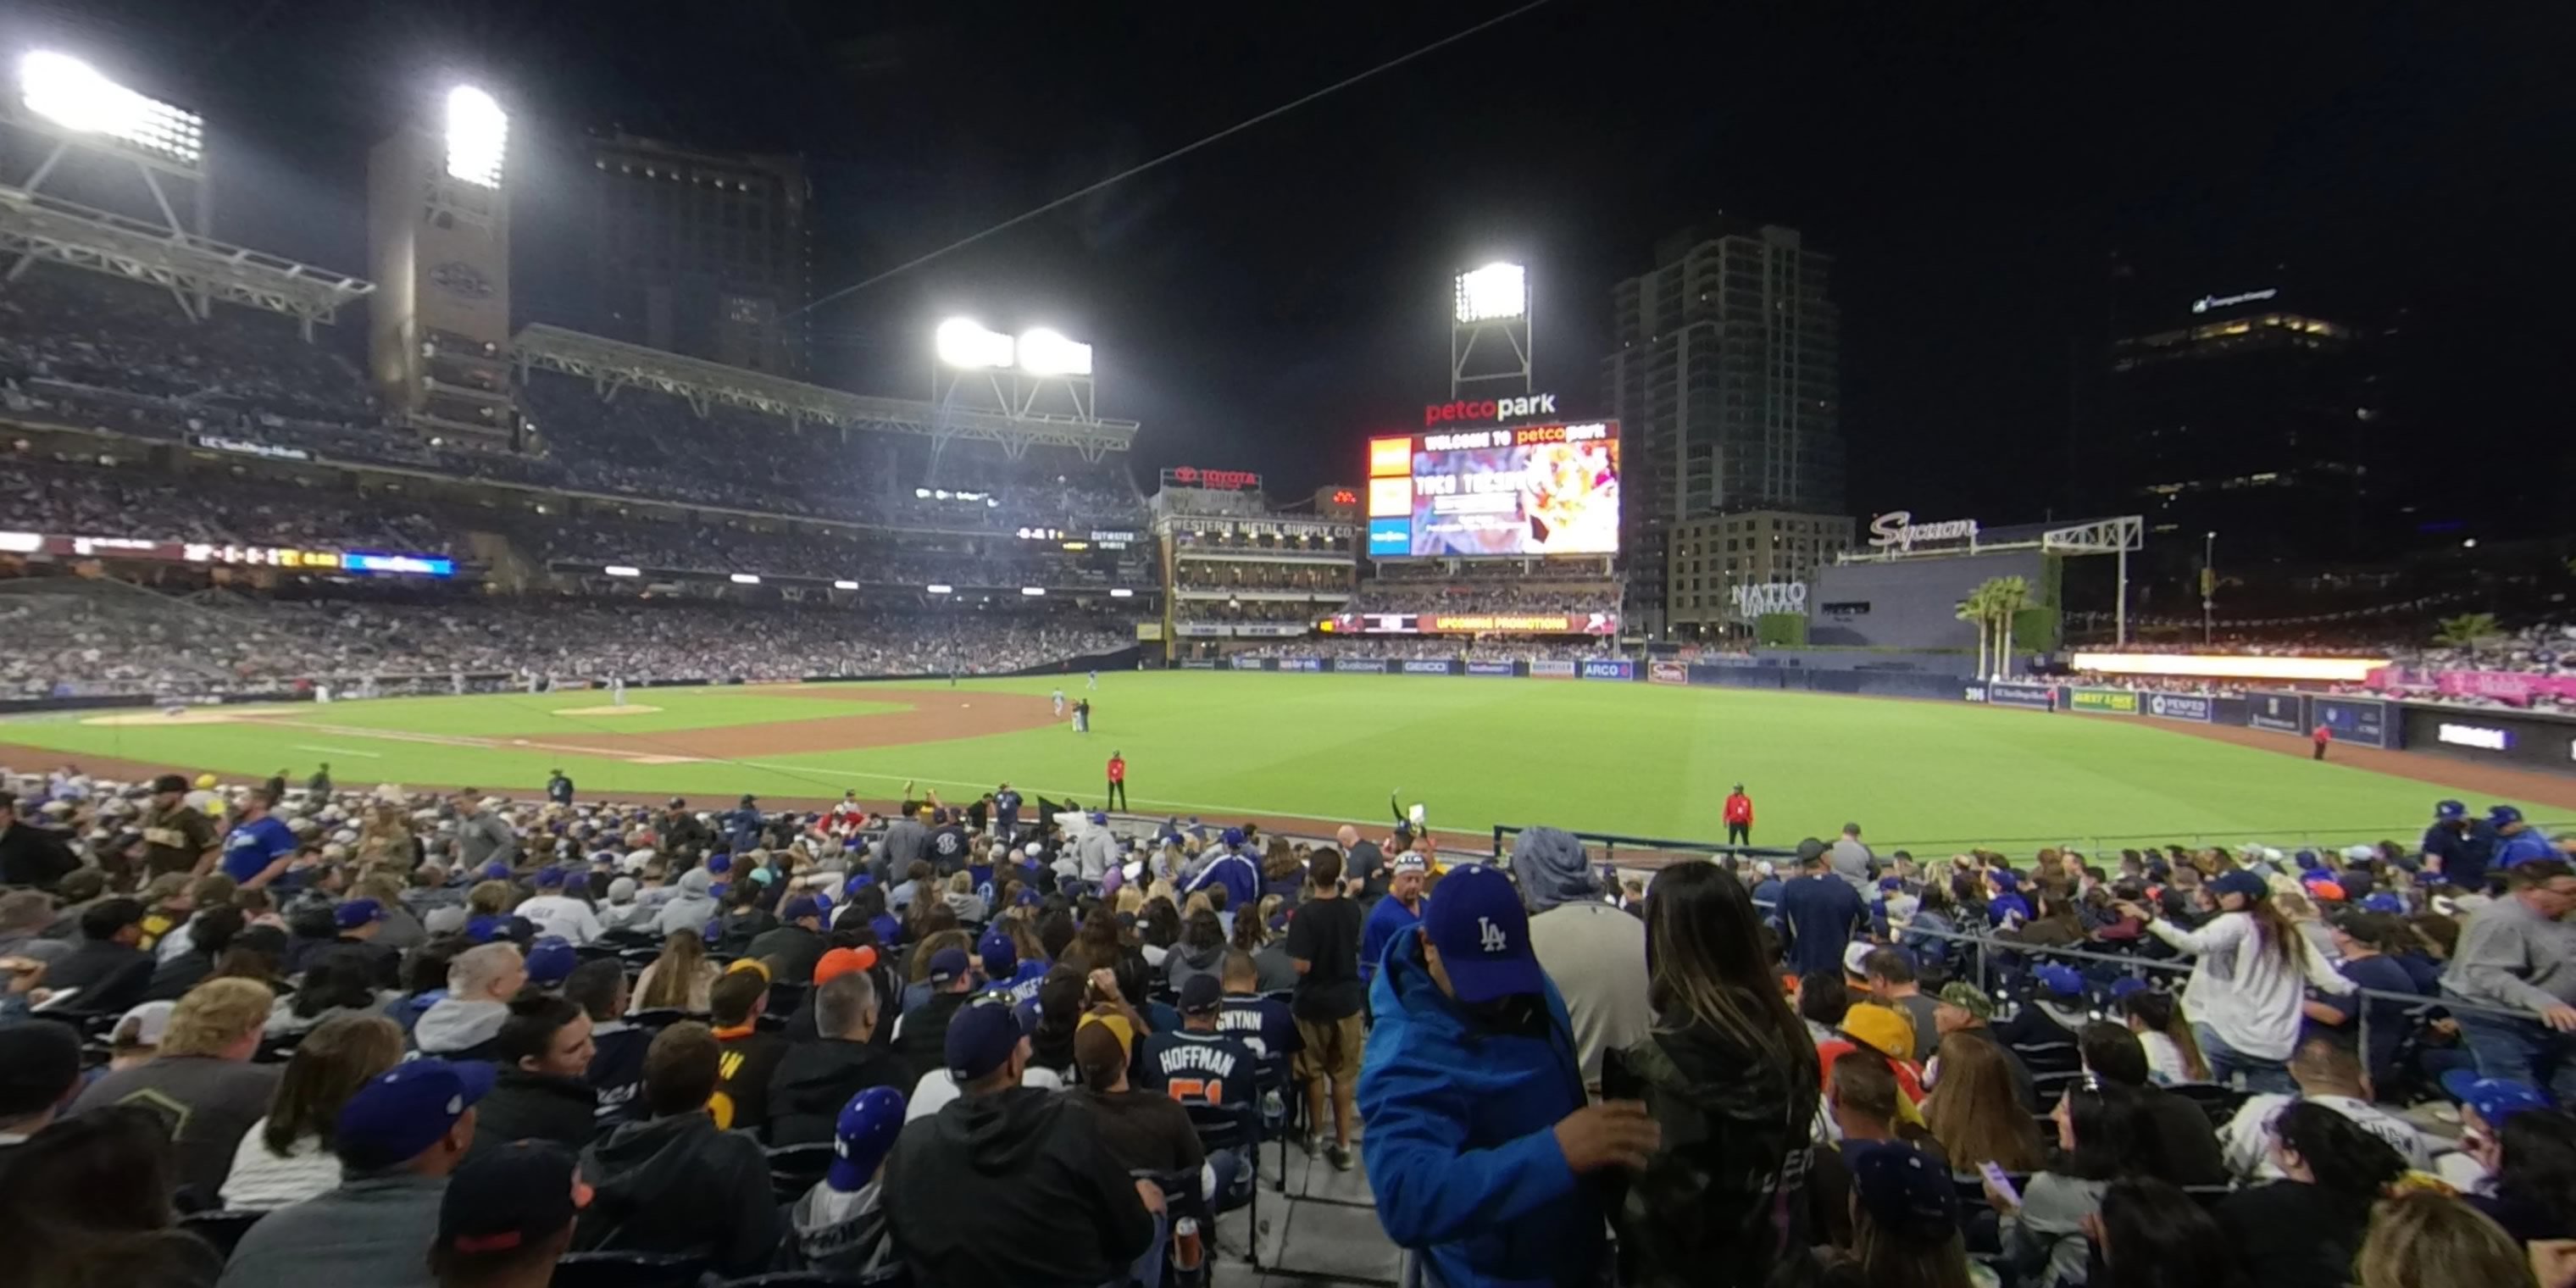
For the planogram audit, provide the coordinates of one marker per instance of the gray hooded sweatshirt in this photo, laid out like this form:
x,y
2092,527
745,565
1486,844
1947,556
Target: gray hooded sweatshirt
x,y
692,908
1594,952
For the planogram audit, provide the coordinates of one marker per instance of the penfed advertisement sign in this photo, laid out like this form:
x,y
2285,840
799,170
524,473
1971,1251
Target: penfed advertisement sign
x,y
1509,491
2179,706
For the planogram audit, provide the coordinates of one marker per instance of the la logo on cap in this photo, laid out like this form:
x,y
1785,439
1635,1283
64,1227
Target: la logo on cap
x,y
1491,936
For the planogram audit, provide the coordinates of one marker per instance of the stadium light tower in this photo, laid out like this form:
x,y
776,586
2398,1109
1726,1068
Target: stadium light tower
x,y
1491,303
478,137
1037,375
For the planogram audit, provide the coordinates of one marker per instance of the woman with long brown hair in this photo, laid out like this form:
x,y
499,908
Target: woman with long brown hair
x,y
286,1157
680,978
1729,1073
2245,996
1975,1111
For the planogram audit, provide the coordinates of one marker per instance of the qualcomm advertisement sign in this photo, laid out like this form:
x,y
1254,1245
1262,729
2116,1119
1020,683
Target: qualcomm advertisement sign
x,y
2179,706
1367,665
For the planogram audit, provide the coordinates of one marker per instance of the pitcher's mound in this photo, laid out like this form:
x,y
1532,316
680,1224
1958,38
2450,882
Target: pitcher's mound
x,y
606,711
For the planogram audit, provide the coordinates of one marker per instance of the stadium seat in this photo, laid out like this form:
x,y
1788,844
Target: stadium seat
x,y
1182,1197
793,1169
222,1229
1239,1131
628,1270
657,1018
2217,1100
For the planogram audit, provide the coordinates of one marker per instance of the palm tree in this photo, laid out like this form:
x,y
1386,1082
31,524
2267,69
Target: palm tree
x,y
1973,609
2466,630
2009,595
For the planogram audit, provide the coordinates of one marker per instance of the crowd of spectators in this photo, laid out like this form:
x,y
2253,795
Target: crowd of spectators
x,y
712,547
990,1042
1433,648
74,500
1485,595
89,351
70,640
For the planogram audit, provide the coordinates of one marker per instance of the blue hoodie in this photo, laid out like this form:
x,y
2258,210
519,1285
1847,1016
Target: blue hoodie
x,y
1240,876
1462,1151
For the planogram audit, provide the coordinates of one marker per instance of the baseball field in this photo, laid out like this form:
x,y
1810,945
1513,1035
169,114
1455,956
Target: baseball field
x,y
1315,749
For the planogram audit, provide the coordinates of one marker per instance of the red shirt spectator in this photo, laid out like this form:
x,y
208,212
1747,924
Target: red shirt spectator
x,y
1118,769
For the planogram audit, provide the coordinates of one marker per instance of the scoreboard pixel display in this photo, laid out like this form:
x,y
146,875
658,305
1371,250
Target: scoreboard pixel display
x,y
1508,491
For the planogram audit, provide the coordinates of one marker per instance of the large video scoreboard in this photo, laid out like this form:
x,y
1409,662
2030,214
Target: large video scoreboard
x,y
1517,491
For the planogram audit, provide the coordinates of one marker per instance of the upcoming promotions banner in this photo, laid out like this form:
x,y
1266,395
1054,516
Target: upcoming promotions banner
x,y
2275,713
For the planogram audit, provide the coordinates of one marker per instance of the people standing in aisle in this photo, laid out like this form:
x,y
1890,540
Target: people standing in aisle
x,y
2245,996
1324,946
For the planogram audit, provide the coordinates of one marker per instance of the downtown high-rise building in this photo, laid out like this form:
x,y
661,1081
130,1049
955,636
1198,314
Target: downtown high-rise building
x,y
1726,381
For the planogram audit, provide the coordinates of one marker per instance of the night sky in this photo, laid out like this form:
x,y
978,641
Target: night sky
x,y
2002,186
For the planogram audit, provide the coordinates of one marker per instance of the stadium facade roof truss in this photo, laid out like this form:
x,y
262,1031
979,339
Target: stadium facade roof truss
x,y
613,364
37,226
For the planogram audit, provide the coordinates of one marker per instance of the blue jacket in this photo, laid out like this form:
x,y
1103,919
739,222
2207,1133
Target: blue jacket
x,y
1387,920
1462,1151
2525,846
1240,876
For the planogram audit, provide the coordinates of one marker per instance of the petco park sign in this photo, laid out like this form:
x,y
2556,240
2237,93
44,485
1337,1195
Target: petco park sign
x,y
1473,410
1897,530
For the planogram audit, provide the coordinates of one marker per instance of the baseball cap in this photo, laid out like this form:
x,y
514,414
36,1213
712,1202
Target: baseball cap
x,y
551,961
205,781
519,1194
1001,956
356,913
39,1062
2060,981
2384,902
549,878
143,1026
1810,850
1891,884
981,1039
2005,879
948,965
1855,953
1233,837
2450,809
2495,1099
1116,1024
719,862
1968,997
2239,881
1482,933
1883,1029
862,1137
406,1109
799,906
169,783
2125,985
1408,862
496,870
841,961
2499,815
858,881
752,964
1902,1190
1201,994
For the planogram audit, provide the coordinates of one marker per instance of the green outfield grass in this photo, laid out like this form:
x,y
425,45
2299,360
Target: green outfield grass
x,y
1631,758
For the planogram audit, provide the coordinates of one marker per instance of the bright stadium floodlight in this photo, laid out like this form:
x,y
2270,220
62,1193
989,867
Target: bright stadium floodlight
x,y
1493,293
621,570
72,94
1048,353
1033,592
845,585
940,588
745,579
1122,593
478,137
963,342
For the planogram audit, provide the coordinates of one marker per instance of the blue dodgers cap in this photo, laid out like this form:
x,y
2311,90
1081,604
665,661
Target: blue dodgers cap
x,y
577,884
2308,861
2495,1099
1891,884
2239,881
797,907
2450,809
863,1136
1001,956
948,965
2499,815
2005,879
719,862
2125,985
1477,922
1903,1190
2060,981
496,870
551,961
981,1039
858,881
485,928
1233,837
2384,902
550,878
356,913
406,1110
1099,816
